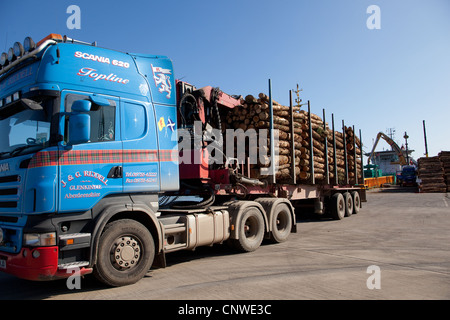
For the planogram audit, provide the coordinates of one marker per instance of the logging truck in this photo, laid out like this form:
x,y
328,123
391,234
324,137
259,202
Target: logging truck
x,y
108,163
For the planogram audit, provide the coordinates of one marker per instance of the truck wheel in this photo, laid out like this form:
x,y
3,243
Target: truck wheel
x,y
337,206
281,223
125,253
348,204
251,231
356,202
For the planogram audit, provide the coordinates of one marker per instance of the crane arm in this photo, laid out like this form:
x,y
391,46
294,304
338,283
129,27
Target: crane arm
x,y
374,147
394,146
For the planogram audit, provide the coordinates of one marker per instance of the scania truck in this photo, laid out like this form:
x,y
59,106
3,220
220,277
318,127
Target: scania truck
x,y
90,172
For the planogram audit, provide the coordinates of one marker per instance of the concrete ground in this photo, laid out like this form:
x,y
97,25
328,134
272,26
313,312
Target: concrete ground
x,y
397,247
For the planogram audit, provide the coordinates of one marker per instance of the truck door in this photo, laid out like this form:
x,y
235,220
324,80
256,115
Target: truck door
x,y
90,171
141,167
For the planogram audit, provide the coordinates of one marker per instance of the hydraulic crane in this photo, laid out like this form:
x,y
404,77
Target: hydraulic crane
x,y
394,146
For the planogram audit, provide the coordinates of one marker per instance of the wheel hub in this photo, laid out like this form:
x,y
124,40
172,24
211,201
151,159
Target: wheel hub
x,y
250,227
126,252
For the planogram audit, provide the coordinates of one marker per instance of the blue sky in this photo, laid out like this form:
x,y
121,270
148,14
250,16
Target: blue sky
x,y
393,77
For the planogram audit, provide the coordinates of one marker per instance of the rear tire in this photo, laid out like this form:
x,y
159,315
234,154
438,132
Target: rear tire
x,y
348,204
251,231
281,223
356,202
125,253
337,206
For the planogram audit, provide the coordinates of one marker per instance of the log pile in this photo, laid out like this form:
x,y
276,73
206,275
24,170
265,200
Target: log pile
x,y
353,154
340,155
318,146
431,174
254,114
444,157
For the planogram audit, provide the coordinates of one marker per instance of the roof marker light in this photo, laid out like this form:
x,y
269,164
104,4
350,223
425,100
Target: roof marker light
x,y
11,55
3,58
28,44
18,49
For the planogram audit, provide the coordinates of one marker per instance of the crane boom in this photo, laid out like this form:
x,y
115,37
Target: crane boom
x,y
394,146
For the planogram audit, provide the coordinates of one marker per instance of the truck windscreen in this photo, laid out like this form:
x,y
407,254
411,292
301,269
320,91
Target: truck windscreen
x,y
27,130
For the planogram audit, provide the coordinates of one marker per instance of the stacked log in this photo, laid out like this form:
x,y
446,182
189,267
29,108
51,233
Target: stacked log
x,y
431,174
319,133
353,154
444,157
340,155
254,114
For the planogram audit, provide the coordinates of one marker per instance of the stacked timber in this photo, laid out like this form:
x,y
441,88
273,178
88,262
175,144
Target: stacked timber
x,y
353,154
444,157
319,157
431,174
339,166
254,113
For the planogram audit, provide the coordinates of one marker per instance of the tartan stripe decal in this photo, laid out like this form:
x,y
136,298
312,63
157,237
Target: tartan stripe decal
x,y
80,157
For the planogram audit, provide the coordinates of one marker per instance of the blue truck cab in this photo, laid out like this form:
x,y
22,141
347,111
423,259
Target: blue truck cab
x,y
85,133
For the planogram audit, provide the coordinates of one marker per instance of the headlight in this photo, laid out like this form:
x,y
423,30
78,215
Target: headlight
x,y
39,239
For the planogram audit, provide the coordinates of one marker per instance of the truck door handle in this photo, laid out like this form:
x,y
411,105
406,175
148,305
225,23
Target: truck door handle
x,y
115,172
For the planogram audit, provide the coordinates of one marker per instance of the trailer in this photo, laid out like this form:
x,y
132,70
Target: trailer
x,y
108,163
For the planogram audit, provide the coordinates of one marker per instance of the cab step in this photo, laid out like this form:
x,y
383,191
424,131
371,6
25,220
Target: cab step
x,y
72,265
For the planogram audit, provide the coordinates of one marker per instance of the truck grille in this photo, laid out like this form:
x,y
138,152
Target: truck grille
x,y
9,192
8,204
9,219
10,222
13,178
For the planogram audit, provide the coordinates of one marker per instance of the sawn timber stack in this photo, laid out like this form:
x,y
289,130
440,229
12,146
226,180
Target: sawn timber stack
x,y
431,174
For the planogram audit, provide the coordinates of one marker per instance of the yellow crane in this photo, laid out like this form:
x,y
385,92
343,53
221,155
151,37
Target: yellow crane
x,y
395,147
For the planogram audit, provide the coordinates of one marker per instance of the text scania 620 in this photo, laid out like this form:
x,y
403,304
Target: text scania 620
x,y
90,170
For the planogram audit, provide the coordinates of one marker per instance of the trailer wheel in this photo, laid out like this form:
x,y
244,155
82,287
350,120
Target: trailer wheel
x,y
251,231
337,206
348,204
125,253
356,202
281,223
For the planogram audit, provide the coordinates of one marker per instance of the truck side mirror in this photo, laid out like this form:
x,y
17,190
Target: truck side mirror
x,y
81,106
79,122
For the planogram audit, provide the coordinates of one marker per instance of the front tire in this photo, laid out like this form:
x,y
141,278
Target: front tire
x,y
125,253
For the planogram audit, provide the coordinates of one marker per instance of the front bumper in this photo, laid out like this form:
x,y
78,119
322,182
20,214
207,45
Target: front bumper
x,y
37,264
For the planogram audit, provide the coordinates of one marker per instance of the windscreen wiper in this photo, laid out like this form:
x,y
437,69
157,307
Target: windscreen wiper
x,y
20,149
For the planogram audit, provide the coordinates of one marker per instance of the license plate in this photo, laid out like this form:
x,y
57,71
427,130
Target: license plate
x,y
2,264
